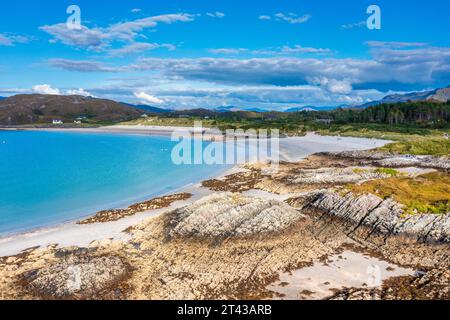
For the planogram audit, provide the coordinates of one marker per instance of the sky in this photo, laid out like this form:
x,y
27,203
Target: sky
x,y
268,54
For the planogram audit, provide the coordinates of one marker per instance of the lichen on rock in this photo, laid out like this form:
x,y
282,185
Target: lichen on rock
x,y
231,215
76,276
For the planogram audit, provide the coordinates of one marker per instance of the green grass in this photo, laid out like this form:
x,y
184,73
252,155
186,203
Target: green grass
x,y
428,145
429,193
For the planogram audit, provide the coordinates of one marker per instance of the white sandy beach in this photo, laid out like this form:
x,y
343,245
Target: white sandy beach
x,y
72,234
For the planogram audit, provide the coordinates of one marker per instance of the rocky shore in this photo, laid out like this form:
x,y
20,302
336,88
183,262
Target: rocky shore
x,y
153,204
254,227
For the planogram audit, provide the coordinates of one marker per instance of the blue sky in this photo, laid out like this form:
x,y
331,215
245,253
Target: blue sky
x,y
271,54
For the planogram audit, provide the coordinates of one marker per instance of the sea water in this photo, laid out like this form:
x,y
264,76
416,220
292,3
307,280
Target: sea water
x,y
47,178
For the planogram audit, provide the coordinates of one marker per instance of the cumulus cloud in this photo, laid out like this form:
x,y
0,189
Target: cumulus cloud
x,y
332,85
45,89
342,87
275,71
201,95
147,98
264,17
129,30
99,39
424,65
136,10
79,92
277,80
92,39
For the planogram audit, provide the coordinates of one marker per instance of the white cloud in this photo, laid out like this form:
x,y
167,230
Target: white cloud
x,y
13,91
332,85
359,24
136,10
79,92
342,87
396,68
99,39
264,17
297,49
11,39
180,95
219,15
147,98
81,66
301,49
138,47
228,50
394,44
129,30
45,89
292,18
202,82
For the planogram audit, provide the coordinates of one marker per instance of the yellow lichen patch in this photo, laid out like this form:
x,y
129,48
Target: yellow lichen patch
x,y
428,193
388,171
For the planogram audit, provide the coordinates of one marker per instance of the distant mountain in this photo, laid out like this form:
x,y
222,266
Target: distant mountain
x,y
439,95
147,108
235,109
36,108
310,108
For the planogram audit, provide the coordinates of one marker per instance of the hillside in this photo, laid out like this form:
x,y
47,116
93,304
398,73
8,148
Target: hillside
x,y
147,108
441,95
437,95
43,109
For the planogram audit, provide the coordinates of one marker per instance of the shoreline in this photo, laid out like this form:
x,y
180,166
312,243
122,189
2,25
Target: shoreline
x,y
71,234
67,232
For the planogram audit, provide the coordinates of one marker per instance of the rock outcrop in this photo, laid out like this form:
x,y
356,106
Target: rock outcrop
x,y
79,276
231,215
333,176
385,216
389,160
117,214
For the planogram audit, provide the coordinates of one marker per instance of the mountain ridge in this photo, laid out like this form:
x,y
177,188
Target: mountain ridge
x,y
437,95
37,108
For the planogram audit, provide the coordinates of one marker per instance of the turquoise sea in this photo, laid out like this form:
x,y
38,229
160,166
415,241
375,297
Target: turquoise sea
x,y
52,177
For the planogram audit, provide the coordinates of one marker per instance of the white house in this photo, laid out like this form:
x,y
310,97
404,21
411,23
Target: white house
x,y
58,122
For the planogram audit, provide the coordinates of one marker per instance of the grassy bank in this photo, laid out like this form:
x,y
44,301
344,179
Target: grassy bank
x,y
407,140
429,193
